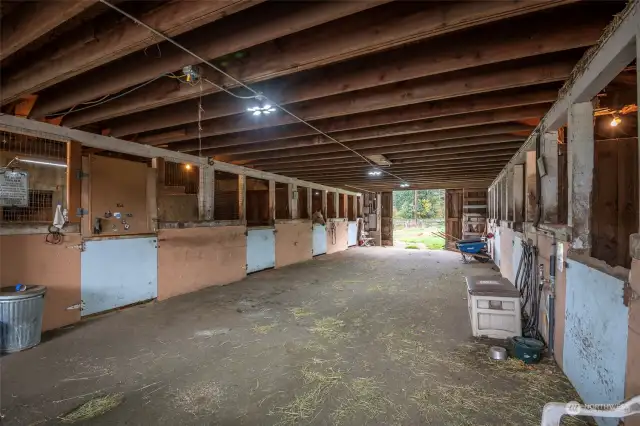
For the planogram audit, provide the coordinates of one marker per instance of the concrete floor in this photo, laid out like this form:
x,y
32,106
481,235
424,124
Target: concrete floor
x,y
368,336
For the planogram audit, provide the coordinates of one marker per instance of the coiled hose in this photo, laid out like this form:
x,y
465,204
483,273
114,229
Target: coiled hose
x,y
530,291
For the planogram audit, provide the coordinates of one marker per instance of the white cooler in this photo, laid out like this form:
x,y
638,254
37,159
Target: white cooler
x,y
494,307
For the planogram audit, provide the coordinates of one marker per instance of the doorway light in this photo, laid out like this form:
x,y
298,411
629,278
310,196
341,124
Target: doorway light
x,y
616,120
375,172
404,185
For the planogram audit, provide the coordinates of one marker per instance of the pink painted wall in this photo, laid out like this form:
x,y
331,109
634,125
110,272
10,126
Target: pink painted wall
x,y
27,259
341,237
194,258
294,243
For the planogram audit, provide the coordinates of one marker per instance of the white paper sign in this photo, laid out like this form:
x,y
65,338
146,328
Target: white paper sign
x,y
14,188
560,256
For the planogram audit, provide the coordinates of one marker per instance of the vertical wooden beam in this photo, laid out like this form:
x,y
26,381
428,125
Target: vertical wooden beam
x,y
309,203
86,221
549,182
292,191
530,187
581,145
324,204
242,198
518,193
158,164
272,201
509,193
503,197
74,180
354,206
152,199
205,193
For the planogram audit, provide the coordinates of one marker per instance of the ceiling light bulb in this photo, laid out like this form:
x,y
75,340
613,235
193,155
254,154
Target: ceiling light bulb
x,y
257,112
615,121
187,166
266,112
272,109
267,106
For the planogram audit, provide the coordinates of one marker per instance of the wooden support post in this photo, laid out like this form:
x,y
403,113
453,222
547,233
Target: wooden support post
x,y
152,200
324,204
86,225
336,204
292,191
549,182
205,193
503,197
272,201
309,203
509,193
74,180
242,198
354,206
378,240
158,164
530,185
580,149
518,193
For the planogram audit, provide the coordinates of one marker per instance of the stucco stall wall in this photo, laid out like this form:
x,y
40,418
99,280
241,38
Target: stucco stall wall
x,y
632,378
294,242
596,333
506,252
195,258
27,259
341,236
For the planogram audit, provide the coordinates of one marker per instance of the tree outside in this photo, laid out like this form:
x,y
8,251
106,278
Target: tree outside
x,y
413,228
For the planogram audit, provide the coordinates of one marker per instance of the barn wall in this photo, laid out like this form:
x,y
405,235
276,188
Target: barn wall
x,y
340,241
195,258
293,243
26,259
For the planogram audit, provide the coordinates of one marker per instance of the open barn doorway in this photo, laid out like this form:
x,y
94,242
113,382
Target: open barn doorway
x,y
418,219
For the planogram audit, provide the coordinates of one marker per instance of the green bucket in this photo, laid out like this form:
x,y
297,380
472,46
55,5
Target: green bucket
x,y
527,349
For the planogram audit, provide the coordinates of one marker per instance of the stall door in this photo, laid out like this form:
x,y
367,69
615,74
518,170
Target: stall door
x,y
352,234
118,272
319,239
261,249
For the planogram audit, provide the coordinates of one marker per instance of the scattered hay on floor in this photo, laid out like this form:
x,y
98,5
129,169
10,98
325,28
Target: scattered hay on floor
x,y
313,346
306,405
199,398
300,313
263,329
412,247
364,398
93,408
330,328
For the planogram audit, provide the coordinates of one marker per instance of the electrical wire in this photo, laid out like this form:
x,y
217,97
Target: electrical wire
x,y
256,94
530,291
140,86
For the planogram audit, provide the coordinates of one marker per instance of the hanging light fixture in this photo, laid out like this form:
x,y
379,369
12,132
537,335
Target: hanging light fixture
x,y
375,172
39,162
404,185
616,120
264,109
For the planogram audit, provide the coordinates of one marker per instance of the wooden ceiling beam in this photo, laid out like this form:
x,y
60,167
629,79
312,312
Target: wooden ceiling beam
x,y
295,162
418,149
33,19
415,142
395,95
421,171
449,85
429,162
499,118
78,56
231,35
502,42
512,98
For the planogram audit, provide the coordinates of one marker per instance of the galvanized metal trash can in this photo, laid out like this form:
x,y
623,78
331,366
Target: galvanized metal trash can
x,y
20,318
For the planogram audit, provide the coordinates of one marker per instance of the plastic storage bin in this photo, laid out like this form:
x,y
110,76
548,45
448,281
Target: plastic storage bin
x,y
20,318
494,307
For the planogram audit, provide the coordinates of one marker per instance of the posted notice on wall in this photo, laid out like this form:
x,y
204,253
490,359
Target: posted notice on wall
x,y
14,188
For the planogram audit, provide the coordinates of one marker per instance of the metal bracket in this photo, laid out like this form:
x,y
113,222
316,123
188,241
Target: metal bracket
x,y
81,175
81,212
628,295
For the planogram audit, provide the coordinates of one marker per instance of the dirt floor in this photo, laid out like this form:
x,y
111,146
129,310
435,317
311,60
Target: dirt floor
x,y
375,336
